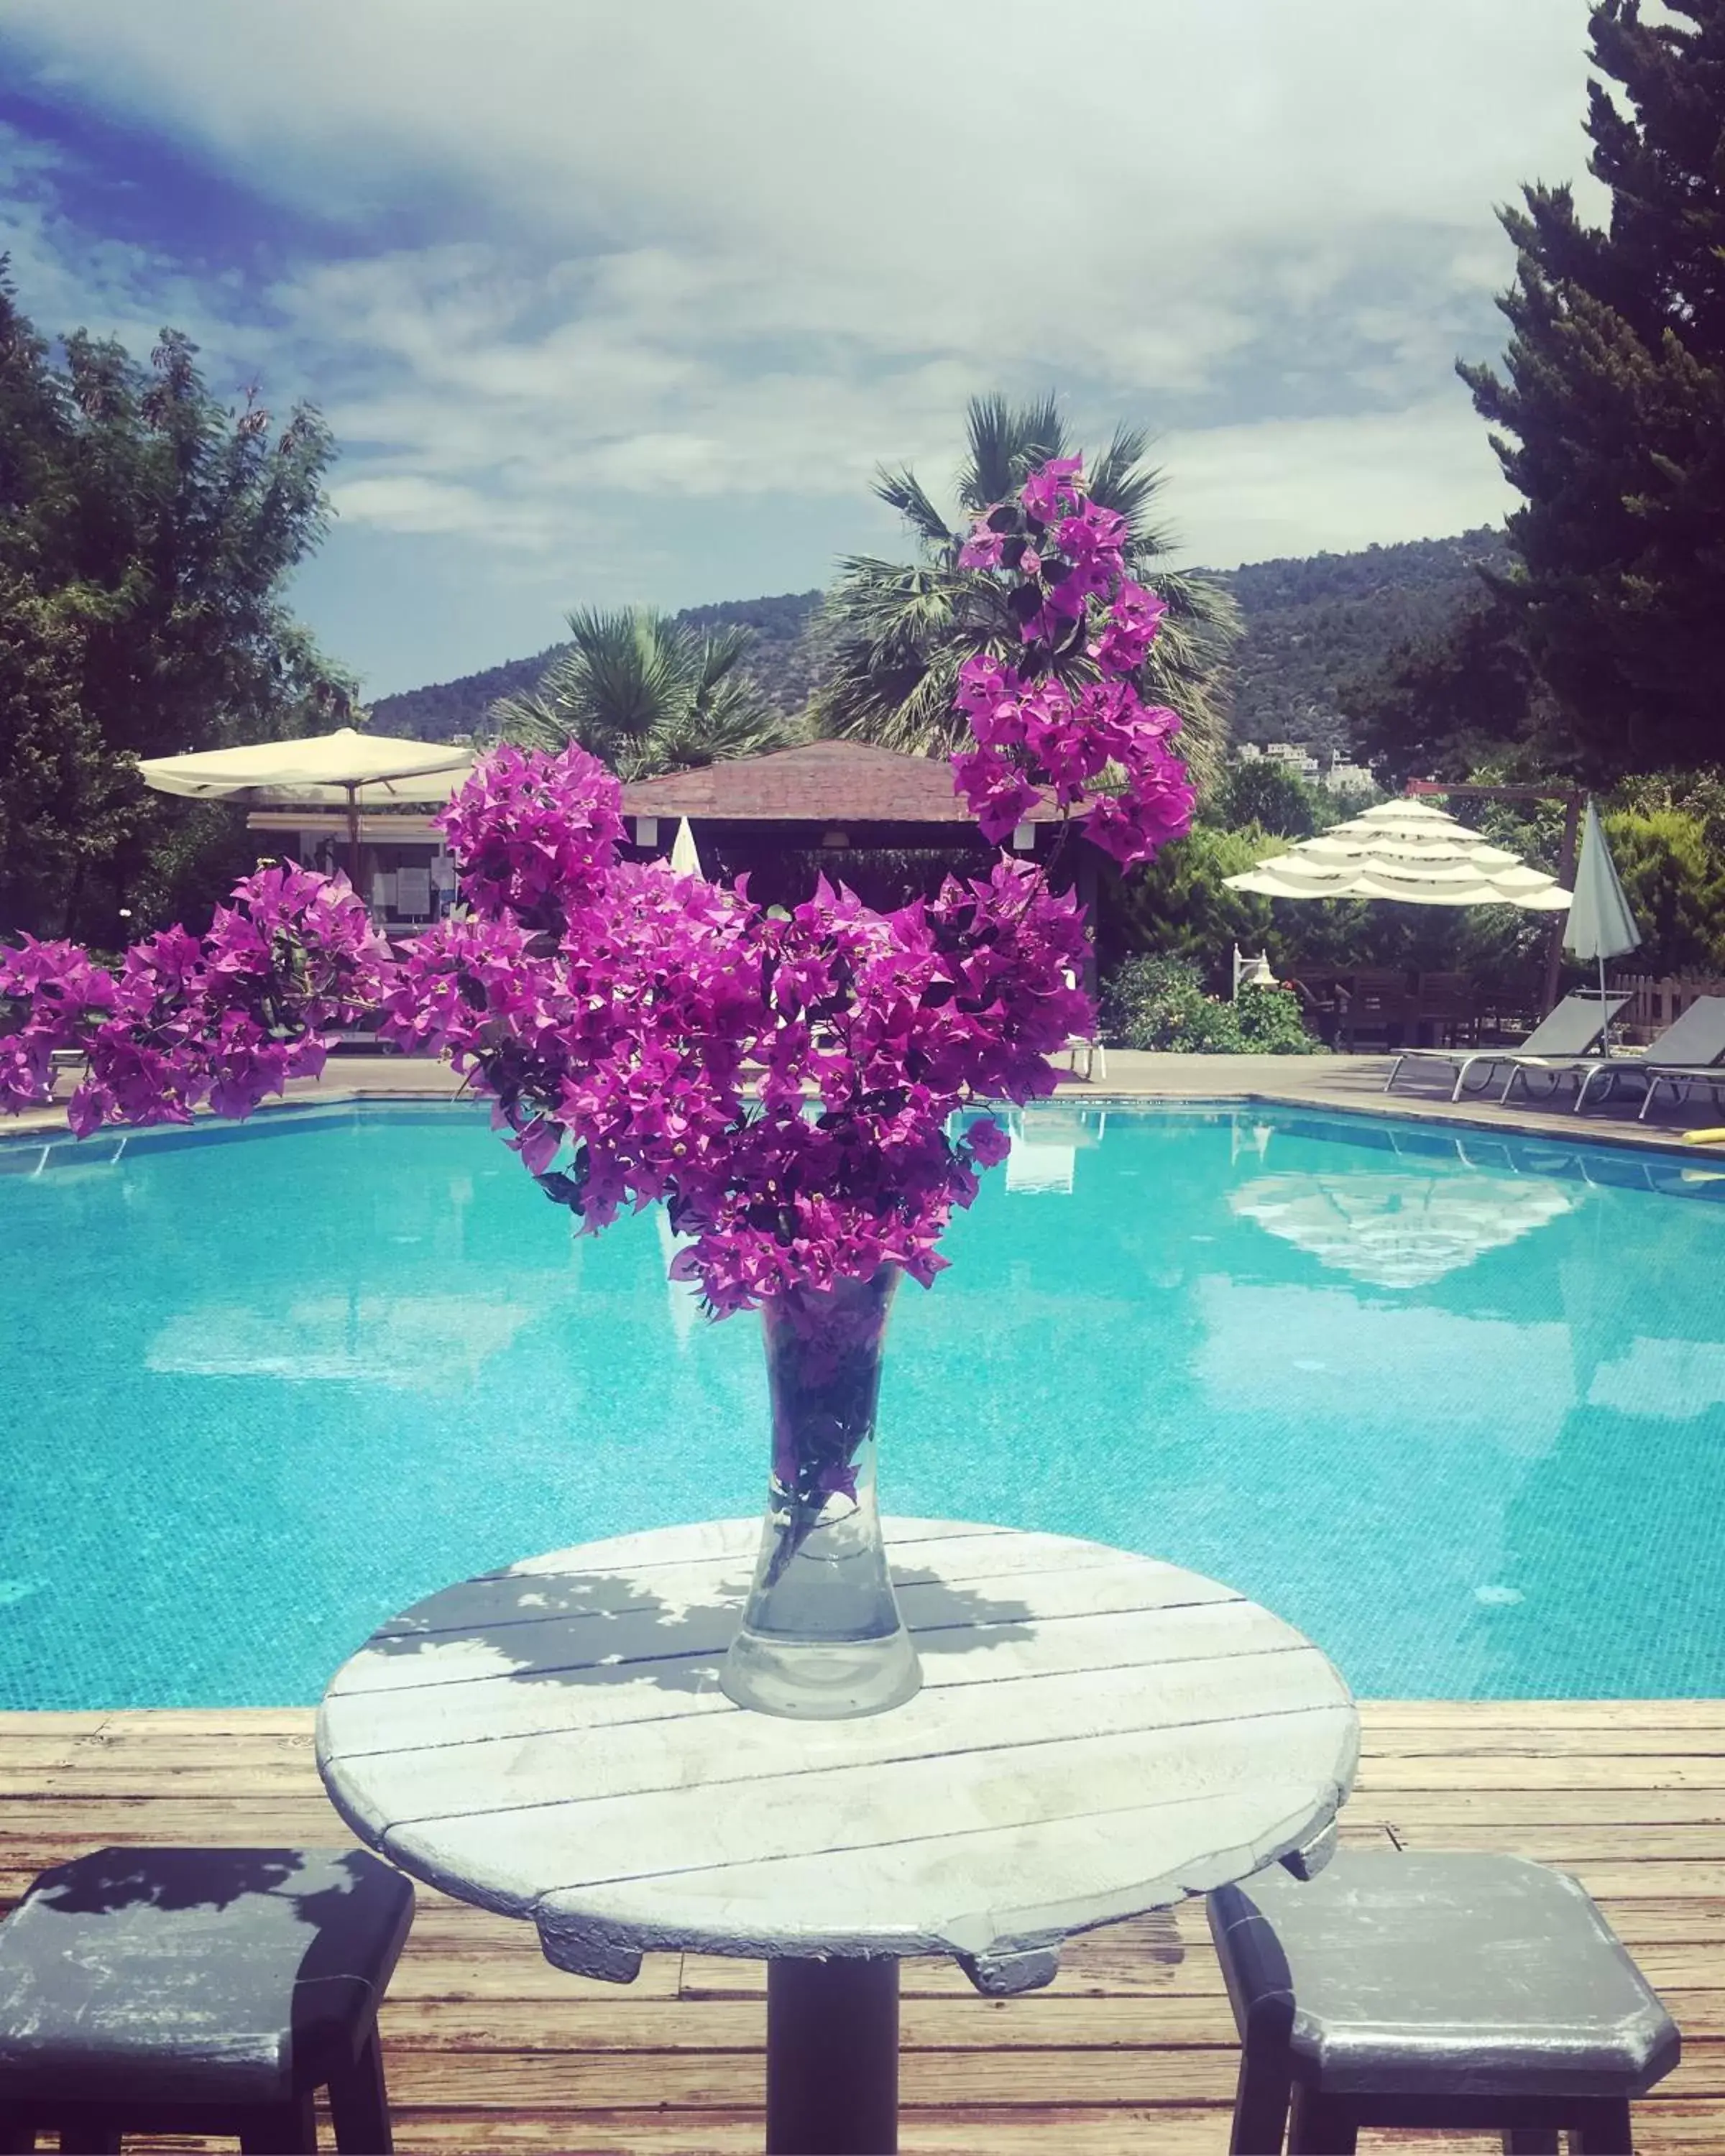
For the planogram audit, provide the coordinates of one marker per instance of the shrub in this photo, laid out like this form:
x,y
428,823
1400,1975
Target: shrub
x,y
1270,1022
1159,1002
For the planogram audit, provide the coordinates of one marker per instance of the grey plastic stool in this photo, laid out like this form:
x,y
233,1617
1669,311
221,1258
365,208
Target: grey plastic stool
x,y
204,1991
1432,1990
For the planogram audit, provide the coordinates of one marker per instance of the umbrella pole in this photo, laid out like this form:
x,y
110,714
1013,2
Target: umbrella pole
x,y
353,839
1605,1027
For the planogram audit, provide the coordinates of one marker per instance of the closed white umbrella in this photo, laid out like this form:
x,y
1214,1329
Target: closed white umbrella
x,y
683,858
1408,851
345,767
1600,925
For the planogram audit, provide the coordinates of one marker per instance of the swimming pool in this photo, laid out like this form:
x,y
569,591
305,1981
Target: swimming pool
x,y
1455,1405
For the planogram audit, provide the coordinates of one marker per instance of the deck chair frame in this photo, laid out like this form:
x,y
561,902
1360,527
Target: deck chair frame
x,y
1704,1020
1464,1061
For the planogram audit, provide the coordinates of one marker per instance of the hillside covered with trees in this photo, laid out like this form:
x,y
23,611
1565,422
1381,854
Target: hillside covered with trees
x,y
781,663
1316,624
1313,624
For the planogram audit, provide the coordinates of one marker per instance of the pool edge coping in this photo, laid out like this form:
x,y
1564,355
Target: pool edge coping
x,y
44,1125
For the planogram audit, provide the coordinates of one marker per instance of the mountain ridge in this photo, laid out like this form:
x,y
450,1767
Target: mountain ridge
x,y
1312,622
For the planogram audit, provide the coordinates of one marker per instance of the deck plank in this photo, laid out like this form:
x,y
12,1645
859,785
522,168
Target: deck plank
x,y
490,2050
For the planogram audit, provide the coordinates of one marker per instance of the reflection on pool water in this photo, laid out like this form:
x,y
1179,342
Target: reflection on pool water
x,y
1453,1404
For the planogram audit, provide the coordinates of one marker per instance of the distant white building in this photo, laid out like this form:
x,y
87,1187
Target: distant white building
x,y
1341,777
1290,754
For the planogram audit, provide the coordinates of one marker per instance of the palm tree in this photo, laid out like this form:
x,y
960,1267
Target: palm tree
x,y
645,694
897,633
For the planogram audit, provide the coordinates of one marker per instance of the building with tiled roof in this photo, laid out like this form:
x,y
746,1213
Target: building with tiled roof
x,y
834,783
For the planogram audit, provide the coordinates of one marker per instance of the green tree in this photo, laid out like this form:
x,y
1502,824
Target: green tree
x,y
60,796
1160,1004
1266,793
147,535
645,694
1178,906
897,633
1611,410
1674,883
1439,705
1697,793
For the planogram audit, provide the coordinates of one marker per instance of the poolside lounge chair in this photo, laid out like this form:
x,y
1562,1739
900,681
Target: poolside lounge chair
x,y
1566,1033
1691,1050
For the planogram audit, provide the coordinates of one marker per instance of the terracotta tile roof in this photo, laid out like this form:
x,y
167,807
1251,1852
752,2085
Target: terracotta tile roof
x,y
823,782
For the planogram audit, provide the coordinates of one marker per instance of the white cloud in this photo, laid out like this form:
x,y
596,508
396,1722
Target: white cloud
x,y
69,275
653,256
1302,486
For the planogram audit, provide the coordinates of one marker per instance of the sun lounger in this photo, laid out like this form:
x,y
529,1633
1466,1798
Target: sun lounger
x,y
1690,1050
1566,1033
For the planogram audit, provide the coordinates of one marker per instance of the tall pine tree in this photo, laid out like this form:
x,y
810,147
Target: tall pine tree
x,y
1615,401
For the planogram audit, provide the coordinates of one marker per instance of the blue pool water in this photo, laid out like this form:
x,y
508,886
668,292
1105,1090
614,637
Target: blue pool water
x,y
1457,1409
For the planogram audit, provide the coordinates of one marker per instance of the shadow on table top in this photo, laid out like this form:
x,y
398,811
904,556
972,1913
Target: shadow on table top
x,y
603,1628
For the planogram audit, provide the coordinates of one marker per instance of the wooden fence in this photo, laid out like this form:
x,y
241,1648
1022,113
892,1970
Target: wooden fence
x,y
1657,1003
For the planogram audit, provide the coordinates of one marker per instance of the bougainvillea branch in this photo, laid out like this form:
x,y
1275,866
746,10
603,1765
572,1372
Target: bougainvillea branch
x,y
1038,731
187,1023
805,1094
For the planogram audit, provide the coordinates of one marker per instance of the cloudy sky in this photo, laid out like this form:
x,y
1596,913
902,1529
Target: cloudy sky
x,y
614,301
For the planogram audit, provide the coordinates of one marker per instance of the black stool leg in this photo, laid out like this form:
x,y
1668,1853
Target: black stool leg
x,y
359,2104
1532,2141
1603,2129
1321,2125
279,2129
1260,2102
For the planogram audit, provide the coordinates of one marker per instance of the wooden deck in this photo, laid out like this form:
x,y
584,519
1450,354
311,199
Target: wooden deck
x,y
1129,2052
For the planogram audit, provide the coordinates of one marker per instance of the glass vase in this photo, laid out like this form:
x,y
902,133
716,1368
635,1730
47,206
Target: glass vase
x,y
821,1637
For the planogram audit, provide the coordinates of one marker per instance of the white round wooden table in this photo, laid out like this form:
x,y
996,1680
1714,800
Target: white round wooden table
x,y
1097,1734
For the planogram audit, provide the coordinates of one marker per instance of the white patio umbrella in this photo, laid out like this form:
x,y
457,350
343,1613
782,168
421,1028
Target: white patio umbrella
x,y
1600,925
345,767
683,858
1406,850
1402,1231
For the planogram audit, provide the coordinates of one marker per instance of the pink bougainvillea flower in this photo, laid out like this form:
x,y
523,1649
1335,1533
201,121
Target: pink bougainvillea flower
x,y
535,834
983,549
1041,728
989,1142
184,1024
1049,492
997,793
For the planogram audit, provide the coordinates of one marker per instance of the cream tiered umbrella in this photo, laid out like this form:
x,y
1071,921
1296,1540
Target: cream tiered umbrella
x,y
1409,851
345,768
1400,1230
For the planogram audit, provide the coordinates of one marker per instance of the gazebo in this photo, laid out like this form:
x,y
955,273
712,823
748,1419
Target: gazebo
x,y
828,800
